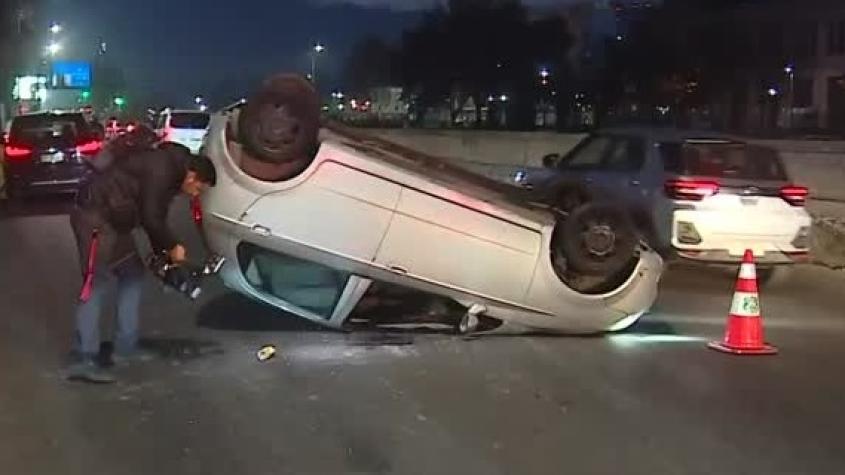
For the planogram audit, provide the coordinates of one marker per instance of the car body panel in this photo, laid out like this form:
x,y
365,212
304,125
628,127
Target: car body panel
x,y
376,215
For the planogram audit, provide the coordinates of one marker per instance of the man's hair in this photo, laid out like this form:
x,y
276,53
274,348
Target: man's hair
x,y
204,168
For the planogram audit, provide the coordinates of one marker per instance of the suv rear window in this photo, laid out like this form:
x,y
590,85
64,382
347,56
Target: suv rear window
x,y
189,120
49,129
723,160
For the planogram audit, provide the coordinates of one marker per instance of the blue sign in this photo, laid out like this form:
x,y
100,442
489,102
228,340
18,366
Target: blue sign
x,y
71,75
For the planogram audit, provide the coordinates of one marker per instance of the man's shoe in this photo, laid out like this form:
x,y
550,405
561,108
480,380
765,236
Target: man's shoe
x,y
88,371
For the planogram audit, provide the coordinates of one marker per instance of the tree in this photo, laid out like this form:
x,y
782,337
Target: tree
x,y
372,63
479,48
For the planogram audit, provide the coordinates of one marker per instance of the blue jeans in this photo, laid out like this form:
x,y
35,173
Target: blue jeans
x,y
129,279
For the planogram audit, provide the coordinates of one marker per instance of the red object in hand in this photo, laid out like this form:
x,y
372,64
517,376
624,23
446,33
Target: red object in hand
x,y
88,285
196,211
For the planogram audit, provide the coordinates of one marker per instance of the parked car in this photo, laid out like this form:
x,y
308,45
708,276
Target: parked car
x,y
699,196
46,153
309,225
184,127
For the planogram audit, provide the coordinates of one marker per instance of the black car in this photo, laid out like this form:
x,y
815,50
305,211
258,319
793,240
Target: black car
x,y
46,153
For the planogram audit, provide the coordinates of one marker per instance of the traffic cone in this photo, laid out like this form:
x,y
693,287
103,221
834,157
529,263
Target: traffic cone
x,y
744,333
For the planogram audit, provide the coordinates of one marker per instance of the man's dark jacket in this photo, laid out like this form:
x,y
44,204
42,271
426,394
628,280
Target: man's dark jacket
x,y
136,190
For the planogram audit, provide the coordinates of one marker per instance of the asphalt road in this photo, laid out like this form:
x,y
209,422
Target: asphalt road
x,y
650,401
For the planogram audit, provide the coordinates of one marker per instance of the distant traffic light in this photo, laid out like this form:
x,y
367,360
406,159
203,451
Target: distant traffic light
x,y
119,101
85,95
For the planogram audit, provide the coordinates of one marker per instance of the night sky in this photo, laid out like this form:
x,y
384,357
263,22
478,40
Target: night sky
x,y
171,50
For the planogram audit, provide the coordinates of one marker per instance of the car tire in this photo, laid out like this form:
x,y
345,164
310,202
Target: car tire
x,y
280,123
598,239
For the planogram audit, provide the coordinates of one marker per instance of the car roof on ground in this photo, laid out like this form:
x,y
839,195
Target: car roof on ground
x,y
669,134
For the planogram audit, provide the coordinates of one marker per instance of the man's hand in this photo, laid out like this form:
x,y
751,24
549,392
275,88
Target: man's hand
x,y
178,254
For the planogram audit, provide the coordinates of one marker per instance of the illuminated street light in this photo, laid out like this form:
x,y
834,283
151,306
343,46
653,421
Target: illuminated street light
x,y
55,28
504,98
318,49
198,100
772,92
54,48
544,73
788,69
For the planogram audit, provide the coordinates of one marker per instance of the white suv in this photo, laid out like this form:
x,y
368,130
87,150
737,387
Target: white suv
x,y
308,226
184,127
703,197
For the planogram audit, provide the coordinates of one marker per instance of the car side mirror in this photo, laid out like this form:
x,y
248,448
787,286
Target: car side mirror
x,y
551,160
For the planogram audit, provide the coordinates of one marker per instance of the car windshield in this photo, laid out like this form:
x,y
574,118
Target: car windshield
x,y
723,160
49,130
189,120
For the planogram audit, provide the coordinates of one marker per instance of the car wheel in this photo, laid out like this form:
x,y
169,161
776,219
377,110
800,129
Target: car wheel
x,y
598,239
280,123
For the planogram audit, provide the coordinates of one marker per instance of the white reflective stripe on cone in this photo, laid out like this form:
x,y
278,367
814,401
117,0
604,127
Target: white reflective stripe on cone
x,y
748,271
746,304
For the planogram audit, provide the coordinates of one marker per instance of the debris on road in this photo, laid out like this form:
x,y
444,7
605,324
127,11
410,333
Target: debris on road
x,y
267,352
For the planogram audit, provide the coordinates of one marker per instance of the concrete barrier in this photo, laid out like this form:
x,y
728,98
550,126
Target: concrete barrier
x,y
819,165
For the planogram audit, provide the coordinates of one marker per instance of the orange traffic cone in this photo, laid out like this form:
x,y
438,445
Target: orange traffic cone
x,y
744,333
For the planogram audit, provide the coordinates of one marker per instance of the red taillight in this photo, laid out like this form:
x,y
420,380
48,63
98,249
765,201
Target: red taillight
x,y
89,148
17,152
196,211
795,195
690,190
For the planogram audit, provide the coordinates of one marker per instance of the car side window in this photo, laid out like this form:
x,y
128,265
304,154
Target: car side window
x,y
588,155
627,154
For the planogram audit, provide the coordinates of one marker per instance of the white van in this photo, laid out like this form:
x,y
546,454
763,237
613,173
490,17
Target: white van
x,y
186,127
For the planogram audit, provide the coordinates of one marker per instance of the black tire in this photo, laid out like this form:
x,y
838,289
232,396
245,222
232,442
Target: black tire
x,y
281,122
598,239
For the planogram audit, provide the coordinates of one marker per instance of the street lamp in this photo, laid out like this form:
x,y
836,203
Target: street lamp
x,y
198,100
317,50
55,28
54,48
790,74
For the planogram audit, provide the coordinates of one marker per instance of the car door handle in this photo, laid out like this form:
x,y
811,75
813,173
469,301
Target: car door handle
x,y
261,230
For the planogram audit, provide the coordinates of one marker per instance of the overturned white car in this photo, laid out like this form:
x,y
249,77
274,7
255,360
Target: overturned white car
x,y
309,223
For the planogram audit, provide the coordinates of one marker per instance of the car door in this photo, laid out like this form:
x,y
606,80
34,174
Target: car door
x,y
619,176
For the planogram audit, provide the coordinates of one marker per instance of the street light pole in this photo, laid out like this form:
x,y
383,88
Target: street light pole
x,y
790,73
316,51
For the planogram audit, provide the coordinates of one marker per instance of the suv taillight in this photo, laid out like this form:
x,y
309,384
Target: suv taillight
x,y
16,152
690,190
795,195
89,148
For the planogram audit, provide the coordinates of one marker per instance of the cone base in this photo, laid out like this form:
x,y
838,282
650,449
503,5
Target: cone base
x,y
724,348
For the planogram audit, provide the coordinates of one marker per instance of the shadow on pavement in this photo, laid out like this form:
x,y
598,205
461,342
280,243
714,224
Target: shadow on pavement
x,y
181,349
